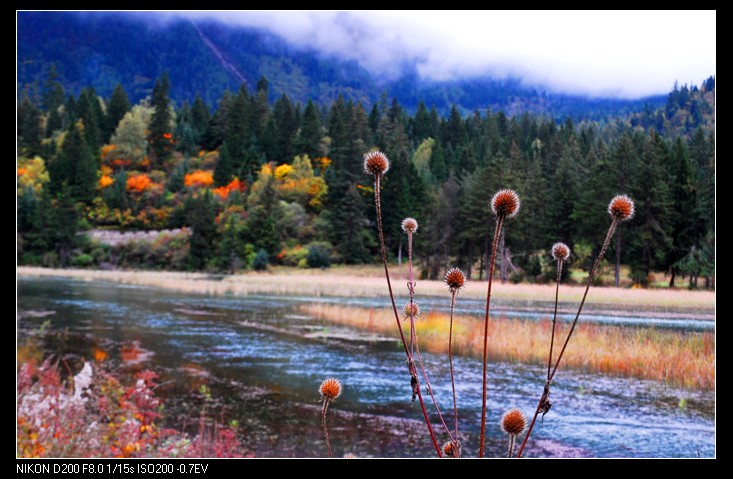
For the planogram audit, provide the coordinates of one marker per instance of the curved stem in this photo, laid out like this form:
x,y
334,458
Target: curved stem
x,y
499,223
545,393
325,427
591,275
450,360
410,361
551,376
432,396
378,205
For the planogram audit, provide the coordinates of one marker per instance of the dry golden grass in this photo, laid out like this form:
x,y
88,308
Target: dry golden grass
x,y
682,359
365,281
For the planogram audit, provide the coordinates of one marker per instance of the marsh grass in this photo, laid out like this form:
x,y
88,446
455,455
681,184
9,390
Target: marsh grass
x,y
684,359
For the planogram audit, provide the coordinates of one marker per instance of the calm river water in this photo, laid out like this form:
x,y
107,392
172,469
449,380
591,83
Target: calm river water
x,y
263,361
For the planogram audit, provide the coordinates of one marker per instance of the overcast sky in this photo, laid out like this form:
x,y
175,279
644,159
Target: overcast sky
x,y
624,54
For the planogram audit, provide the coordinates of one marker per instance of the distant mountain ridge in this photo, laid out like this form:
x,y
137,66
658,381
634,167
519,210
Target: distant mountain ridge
x,y
209,57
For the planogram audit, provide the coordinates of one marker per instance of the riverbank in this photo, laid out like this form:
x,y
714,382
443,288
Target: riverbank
x,y
366,282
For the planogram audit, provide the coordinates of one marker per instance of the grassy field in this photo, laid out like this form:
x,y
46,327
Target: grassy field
x,y
681,359
367,281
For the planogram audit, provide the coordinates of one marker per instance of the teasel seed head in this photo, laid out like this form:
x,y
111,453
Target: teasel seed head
x,y
621,208
513,422
412,308
376,163
330,389
560,252
505,203
409,225
455,279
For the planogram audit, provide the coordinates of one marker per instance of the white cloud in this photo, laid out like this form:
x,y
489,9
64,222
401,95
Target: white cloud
x,y
609,53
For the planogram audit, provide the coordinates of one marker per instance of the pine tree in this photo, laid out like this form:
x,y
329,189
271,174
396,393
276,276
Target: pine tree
x,y
53,98
686,231
29,127
309,137
263,209
224,170
453,131
118,106
347,222
56,225
218,128
90,112
438,168
260,111
74,167
421,126
52,94
287,126
200,116
161,124
652,241
231,248
200,217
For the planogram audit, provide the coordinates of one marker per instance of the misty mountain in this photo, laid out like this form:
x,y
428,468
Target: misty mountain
x,y
209,57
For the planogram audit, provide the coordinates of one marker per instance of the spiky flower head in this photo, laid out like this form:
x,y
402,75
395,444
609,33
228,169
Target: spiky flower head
x,y
412,308
513,422
330,389
448,449
621,208
349,455
409,225
376,162
455,279
560,252
505,203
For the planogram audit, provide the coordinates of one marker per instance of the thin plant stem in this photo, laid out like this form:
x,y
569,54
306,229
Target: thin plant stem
x,y
450,360
591,276
413,334
497,232
411,290
325,427
511,445
554,315
410,361
551,376
432,396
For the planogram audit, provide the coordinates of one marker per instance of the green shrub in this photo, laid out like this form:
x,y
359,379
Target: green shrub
x,y
83,260
319,255
260,261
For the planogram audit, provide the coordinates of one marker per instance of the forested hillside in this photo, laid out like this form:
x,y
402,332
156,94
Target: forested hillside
x,y
207,57
253,182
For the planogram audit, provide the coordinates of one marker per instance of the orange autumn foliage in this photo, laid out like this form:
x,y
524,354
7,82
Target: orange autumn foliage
x,y
105,181
322,162
198,179
139,183
234,185
107,149
21,171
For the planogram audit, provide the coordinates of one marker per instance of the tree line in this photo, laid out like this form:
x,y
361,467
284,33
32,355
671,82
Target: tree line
x,y
254,182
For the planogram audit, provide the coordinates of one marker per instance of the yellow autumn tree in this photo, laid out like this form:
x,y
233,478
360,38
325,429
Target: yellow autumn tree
x,y
298,183
31,173
129,143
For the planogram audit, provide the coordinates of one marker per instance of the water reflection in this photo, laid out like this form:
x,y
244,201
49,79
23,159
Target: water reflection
x,y
263,362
